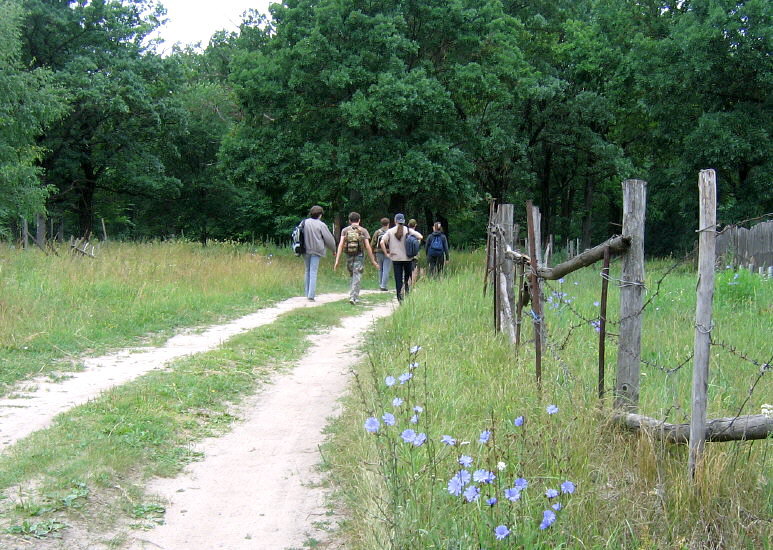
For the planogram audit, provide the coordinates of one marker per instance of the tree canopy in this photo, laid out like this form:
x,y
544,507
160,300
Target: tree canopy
x,y
429,107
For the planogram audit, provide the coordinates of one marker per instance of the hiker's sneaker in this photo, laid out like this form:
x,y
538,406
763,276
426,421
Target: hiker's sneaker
x,y
312,300
384,289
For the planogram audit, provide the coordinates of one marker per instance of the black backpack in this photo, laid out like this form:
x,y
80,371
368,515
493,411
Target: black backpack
x,y
299,242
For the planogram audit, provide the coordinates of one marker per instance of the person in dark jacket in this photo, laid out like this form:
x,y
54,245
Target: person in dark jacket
x,y
437,249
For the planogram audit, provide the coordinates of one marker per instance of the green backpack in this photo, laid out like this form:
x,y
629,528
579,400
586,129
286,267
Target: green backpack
x,y
353,242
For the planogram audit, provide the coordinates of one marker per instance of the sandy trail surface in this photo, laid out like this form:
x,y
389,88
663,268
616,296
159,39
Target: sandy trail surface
x,y
36,402
259,487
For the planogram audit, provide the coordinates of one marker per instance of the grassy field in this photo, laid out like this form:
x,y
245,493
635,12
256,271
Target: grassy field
x,y
94,460
475,400
466,383
54,309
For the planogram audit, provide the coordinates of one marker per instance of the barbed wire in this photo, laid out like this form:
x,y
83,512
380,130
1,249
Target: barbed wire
x,y
734,351
736,224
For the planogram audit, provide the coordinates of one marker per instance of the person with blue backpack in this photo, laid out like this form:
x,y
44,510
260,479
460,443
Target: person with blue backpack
x,y
401,244
437,249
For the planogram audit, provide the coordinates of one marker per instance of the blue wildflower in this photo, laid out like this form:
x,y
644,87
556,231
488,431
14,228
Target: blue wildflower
x,y
371,424
596,304
471,493
561,281
501,532
492,501
548,518
408,435
519,421
552,409
413,365
390,381
551,493
396,402
567,487
418,409
414,419
415,350
464,476
485,435
455,486
483,476
389,419
513,494
521,484
465,461
405,377
448,440
419,440
557,506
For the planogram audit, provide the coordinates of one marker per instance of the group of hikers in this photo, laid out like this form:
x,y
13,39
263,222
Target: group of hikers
x,y
393,248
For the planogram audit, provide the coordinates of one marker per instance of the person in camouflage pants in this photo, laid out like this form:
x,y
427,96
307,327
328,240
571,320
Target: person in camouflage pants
x,y
355,241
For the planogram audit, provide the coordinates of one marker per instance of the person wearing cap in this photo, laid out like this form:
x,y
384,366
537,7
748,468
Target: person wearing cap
x,y
393,246
317,238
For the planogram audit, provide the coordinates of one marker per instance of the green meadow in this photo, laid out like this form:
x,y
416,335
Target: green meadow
x,y
466,385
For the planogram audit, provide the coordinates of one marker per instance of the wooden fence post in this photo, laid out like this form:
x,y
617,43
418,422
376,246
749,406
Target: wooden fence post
x,y
532,217
707,188
631,297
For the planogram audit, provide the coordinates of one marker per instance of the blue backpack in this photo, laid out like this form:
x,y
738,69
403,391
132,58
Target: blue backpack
x,y
412,246
436,246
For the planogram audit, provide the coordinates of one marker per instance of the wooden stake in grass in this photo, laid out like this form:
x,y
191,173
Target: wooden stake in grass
x,y
631,294
532,216
603,320
707,190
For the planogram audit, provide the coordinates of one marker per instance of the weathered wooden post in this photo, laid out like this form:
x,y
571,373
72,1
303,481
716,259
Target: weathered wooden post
x,y
25,234
707,189
40,230
532,217
631,297
506,270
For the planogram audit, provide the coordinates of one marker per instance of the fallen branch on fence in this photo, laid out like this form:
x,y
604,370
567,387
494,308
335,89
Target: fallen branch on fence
x,y
755,426
592,255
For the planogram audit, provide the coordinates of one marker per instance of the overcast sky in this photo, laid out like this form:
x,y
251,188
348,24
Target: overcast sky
x,y
197,20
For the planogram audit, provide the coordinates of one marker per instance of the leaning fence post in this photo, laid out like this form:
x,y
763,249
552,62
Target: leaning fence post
x,y
532,218
631,297
707,188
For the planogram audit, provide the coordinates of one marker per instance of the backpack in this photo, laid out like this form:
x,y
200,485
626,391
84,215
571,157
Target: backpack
x,y
353,242
375,240
412,245
299,242
436,246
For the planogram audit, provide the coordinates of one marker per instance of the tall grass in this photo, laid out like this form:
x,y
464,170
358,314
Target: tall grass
x,y
631,491
55,308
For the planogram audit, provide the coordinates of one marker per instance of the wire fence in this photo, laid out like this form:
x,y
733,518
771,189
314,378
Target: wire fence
x,y
560,334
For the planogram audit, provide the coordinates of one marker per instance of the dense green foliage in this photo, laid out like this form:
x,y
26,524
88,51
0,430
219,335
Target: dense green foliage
x,y
429,107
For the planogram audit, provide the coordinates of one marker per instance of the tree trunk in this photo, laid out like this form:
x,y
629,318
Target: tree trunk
x,y
587,220
84,205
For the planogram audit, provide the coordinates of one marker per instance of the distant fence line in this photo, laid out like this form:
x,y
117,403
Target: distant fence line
x,y
748,248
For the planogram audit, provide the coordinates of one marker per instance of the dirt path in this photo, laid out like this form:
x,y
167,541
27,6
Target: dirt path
x,y
258,487
35,403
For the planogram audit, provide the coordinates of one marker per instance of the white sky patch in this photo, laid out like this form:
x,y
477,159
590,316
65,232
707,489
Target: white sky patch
x,y
191,21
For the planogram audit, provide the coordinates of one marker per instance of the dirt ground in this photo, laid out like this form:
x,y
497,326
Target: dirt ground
x,y
258,487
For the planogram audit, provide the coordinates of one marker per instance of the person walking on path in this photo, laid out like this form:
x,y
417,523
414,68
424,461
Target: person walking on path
x,y
384,263
355,241
437,250
415,268
317,238
393,245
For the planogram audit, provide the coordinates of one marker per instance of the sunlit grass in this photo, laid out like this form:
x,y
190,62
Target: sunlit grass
x,y
55,308
632,491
